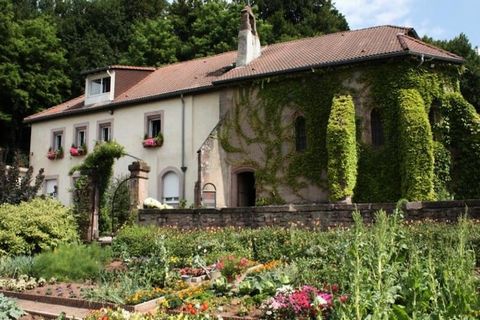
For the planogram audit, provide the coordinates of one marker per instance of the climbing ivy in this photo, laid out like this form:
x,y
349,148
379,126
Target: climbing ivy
x,y
95,174
464,124
441,177
380,176
415,147
342,148
261,122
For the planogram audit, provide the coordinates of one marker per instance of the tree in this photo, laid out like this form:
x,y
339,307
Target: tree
x,y
152,43
297,19
32,77
15,187
470,78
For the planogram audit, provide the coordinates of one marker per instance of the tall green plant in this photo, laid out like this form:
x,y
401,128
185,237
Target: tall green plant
x,y
342,148
415,147
465,146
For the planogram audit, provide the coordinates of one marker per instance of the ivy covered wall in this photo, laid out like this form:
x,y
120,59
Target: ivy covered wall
x,y
341,146
417,159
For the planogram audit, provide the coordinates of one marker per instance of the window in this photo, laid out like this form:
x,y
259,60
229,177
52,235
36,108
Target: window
x,y
209,195
51,188
171,188
80,136
98,86
376,128
105,131
300,134
153,124
57,140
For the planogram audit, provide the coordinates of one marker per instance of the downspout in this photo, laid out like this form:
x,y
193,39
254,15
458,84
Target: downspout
x,y
183,167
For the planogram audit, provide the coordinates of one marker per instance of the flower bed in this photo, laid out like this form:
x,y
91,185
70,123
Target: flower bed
x,y
293,274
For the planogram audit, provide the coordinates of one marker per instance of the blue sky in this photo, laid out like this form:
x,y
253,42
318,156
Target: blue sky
x,y
440,19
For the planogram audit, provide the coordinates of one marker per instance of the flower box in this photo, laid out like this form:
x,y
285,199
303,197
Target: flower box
x,y
55,154
77,152
155,142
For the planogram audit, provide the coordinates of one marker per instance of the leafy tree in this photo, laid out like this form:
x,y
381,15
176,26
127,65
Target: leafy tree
x,y
297,19
32,77
207,28
152,43
144,9
14,187
470,78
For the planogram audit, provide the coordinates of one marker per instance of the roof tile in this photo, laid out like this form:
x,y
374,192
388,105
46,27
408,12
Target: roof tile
x,y
203,73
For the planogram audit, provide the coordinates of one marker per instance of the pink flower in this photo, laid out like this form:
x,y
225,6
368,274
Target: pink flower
x,y
220,265
150,142
74,151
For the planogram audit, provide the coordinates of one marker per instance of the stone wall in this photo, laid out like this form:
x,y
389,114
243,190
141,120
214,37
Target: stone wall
x,y
321,216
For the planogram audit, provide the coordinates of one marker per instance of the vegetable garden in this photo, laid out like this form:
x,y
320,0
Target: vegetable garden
x,y
392,269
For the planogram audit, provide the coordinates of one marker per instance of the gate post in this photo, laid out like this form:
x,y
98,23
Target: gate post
x,y
139,184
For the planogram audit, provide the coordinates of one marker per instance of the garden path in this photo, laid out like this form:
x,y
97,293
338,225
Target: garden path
x,y
51,311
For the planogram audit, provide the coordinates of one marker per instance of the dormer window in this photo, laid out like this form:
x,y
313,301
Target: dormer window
x,y
99,86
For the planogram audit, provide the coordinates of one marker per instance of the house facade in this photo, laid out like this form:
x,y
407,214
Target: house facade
x,y
255,126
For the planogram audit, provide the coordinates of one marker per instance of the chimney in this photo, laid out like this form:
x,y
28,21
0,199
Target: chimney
x,y
248,40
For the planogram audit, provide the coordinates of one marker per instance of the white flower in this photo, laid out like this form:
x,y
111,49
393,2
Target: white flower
x,y
269,313
321,301
285,289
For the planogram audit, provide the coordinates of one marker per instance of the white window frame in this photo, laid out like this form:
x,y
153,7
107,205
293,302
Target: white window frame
x,y
45,186
59,132
101,125
173,201
101,85
152,116
101,96
76,138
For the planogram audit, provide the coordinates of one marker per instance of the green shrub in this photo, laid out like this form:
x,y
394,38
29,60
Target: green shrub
x,y
9,309
71,262
341,148
12,267
415,147
135,241
31,227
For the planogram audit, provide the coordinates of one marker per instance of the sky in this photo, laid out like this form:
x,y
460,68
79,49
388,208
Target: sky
x,y
439,19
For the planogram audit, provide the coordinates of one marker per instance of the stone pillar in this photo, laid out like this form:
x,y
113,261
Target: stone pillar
x,y
138,184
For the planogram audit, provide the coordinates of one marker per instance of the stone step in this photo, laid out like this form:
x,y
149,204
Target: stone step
x,y
51,311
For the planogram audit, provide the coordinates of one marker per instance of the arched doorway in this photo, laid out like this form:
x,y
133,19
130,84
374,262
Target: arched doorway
x,y
246,193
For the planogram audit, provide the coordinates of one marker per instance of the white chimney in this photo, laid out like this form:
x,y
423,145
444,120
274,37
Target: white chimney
x,y
248,40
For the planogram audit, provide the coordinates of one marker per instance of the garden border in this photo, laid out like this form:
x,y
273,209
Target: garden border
x,y
319,216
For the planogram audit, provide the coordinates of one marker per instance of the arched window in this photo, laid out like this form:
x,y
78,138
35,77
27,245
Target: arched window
x,y
171,188
376,128
209,195
300,134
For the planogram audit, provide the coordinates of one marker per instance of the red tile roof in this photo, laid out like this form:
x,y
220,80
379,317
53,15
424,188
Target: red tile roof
x,y
204,73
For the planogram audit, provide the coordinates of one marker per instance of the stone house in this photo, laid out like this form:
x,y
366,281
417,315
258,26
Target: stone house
x,y
251,126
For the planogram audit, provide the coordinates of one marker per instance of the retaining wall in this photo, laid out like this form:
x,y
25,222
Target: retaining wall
x,y
321,216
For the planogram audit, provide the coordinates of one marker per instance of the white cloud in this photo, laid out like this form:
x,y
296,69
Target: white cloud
x,y
365,13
